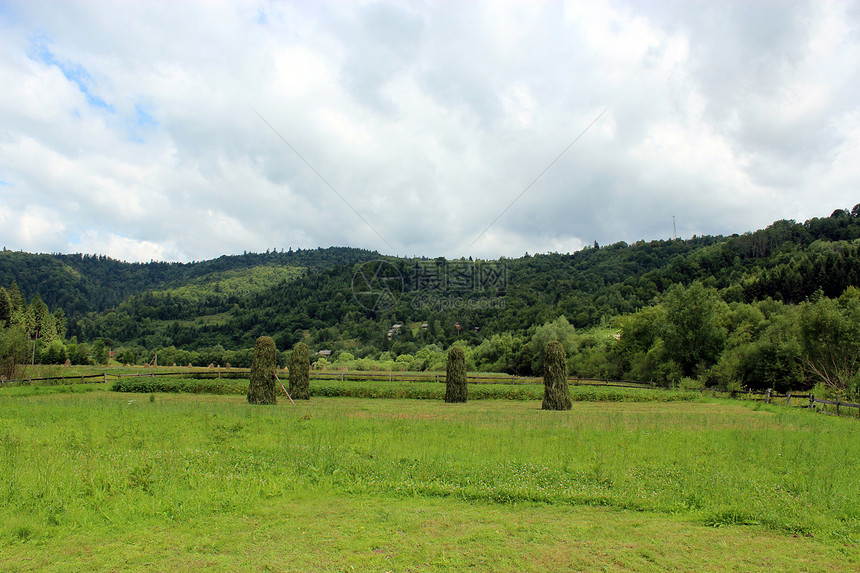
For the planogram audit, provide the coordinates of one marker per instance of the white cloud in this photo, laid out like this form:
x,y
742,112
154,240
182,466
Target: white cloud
x,y
129,129
123,248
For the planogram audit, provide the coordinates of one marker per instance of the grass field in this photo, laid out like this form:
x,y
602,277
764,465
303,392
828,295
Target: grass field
x,y
151,482
410,390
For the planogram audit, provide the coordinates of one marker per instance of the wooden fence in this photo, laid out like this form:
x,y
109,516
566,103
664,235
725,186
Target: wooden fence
x,y
768,396
813,401
375,376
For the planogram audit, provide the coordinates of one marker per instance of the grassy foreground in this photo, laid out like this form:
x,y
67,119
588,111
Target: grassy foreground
x,y
102,481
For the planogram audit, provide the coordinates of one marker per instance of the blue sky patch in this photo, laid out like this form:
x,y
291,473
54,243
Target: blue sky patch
x,y
74,72
143,117
141,122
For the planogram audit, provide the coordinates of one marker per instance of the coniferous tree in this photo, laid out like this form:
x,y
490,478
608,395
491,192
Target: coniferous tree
x,y
556,394
60,323
5,308
300,367
456,389
16,299
39,310
261,389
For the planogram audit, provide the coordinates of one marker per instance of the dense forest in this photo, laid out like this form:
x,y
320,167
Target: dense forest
x,y
751,310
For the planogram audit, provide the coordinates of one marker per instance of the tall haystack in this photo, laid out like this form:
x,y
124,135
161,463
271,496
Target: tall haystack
x,y
261,389
300,372
456,389
556,394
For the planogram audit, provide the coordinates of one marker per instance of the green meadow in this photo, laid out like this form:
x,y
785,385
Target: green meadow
x,y
102,480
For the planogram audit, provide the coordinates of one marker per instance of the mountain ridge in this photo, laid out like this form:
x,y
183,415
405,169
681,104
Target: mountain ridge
x,y
310,294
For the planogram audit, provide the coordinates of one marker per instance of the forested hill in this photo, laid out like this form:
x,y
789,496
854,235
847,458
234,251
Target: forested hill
x,y
80,283
787,261
311,295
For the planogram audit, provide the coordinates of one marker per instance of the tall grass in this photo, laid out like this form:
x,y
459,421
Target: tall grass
x,y
98,459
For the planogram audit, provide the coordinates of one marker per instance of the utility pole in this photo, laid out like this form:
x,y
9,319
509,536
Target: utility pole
x,y
674,230
35,339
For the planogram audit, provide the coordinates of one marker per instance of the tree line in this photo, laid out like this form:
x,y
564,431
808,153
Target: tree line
x,y
623,310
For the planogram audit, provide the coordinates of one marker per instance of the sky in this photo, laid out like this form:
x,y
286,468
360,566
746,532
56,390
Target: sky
x,y
183,131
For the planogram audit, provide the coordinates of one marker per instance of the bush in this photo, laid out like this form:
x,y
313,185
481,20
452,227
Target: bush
x,y
854,388
14,350
166,384
690,384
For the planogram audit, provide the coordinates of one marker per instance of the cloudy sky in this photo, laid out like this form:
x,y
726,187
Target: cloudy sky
x,y
186,130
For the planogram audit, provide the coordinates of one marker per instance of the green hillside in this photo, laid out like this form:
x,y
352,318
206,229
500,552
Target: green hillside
x,y
80,283
759,291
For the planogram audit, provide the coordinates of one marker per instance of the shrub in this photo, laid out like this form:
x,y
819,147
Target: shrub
x,y
14,352
456,389
556,394
261,387
687,383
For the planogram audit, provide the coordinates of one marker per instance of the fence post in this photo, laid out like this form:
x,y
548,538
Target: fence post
x,y
389,376
767,401
811,401
837,406
105,375
341,375
788,399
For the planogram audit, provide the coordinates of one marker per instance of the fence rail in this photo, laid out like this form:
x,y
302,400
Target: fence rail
x,y
837,403
341,375
766,395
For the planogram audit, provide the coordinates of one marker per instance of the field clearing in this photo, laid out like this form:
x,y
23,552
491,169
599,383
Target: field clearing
x,y
402,390
195,481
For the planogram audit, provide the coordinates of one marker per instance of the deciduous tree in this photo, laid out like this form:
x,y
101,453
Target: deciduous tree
x,y
830,339
693,335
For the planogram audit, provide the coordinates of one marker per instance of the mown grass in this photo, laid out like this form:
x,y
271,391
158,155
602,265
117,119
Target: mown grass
x,y
44,389
107,466
338,533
